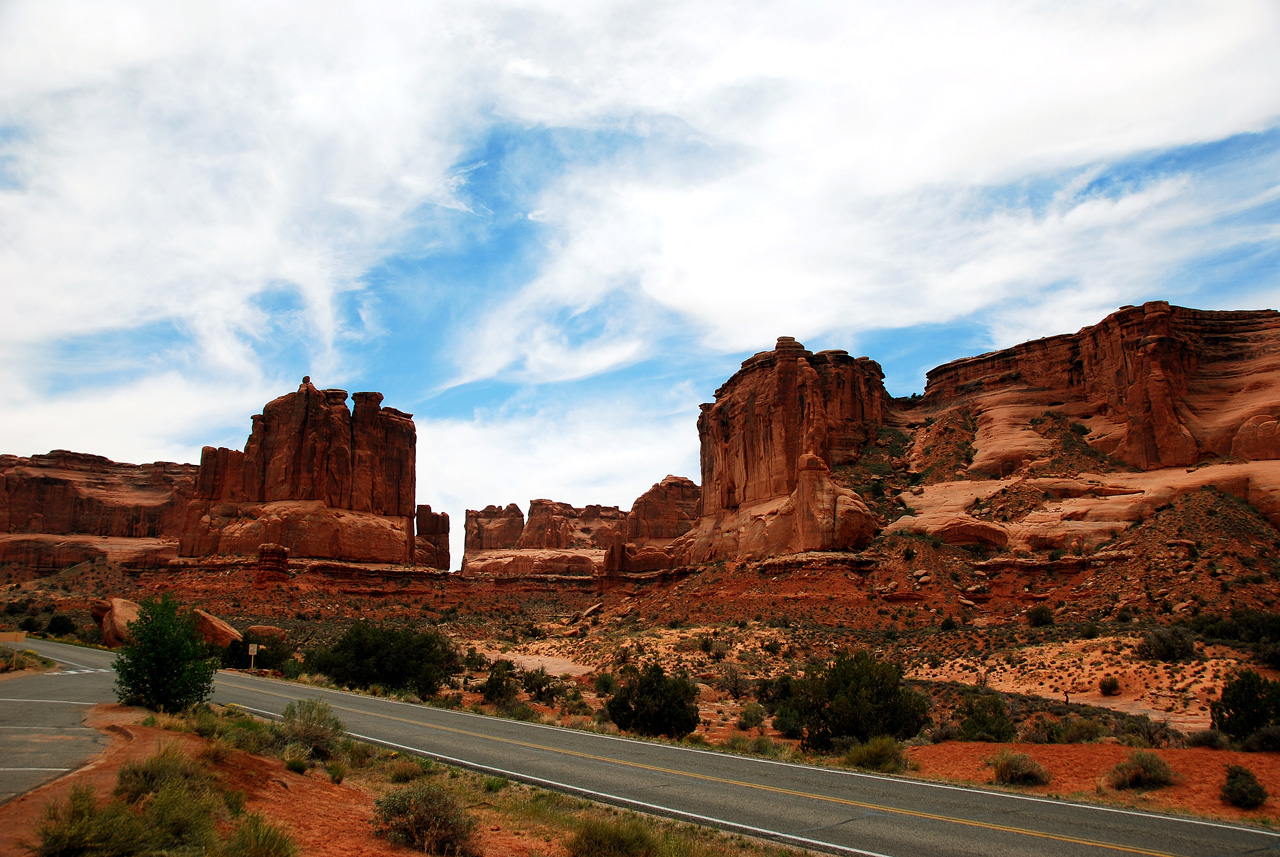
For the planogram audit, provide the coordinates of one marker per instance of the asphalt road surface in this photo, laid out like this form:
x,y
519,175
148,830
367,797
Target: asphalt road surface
x,y
835,811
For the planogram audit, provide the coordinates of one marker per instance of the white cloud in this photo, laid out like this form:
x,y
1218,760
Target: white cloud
x,y
605,452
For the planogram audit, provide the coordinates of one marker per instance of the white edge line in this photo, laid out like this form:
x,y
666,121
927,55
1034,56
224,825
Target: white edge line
x,y
810,768
733,826
63,701
35,769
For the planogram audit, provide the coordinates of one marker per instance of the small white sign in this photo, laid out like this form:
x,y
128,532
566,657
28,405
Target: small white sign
x,y
253,648
12,636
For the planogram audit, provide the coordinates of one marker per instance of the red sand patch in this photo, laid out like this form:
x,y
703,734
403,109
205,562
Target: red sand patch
x,y
1079,769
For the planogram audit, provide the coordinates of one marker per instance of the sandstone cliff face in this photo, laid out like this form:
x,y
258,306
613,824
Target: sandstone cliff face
x,y
769,440
1158,386
493,528
73,493
664,512
431,546
315,478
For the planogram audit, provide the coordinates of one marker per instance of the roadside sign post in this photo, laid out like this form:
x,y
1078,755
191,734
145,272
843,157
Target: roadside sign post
x,y
15,637
253,651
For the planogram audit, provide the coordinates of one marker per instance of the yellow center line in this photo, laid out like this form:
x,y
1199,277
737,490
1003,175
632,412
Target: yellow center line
x,y
739,783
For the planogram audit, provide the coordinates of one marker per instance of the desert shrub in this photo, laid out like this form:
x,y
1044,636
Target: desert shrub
x,y
944,732
164,665
856,697
986,719
79,826
312,723
296,757
1209,738
734,683
625,837
653,703
1247,704
1143,732
397,658
541,686
257,837
1017,769
1166,644
495,784
789,723
169,766
1265,740
948,624
1109,685
60,625
474,661
1142,770
1040,616
1242,788
30,624
752,716
424,817
605,684
404,770
273,652
1081,730
336,770
500,687
882,754
738,743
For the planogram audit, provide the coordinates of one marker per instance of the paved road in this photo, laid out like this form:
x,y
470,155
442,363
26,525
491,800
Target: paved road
x,y
835,811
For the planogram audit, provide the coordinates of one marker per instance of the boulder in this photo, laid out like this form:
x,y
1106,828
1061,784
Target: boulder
x,y
115,622
265,631
215,631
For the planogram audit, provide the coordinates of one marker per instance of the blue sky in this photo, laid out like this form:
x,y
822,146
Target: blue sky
x,y
551,232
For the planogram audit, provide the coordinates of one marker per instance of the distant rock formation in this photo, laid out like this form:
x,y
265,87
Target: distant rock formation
x,y
664,512
315,478
431,547
493,528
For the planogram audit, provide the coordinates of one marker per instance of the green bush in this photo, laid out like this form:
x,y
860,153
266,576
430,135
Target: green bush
x,y
605,684
78,826
542,687
164,666
500,687
627,837
404,771
752,716
297,758
1017,769
312,723
60,625
1142,770
1040,616
426,818
336,770
1166,644
856,697
139,779
1109,685
396,658
1265,740
1242,788
881,754
1248,703
986,719
653,703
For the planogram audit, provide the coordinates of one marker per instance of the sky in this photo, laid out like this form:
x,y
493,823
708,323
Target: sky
x,y
551,230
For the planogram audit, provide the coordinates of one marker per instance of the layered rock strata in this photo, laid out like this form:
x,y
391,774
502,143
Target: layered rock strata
x,y
314,477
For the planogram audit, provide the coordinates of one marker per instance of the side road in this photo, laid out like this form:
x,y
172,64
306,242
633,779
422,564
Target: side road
x,y
823,809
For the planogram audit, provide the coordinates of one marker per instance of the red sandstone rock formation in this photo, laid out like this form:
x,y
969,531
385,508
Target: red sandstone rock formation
x,y
431,547
664,512
73,493
115,622
314,477
493,528
1158,386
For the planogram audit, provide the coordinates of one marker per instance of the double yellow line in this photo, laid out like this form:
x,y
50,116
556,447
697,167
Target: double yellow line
x,y
984,825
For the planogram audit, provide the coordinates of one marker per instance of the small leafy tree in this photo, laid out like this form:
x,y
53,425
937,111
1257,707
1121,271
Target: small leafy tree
x,y
1249,703
165,665
857,697
653,703
398,658
500,687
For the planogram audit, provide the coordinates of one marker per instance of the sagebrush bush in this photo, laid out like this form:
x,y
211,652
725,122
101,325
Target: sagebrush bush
x,y
1265,740
312,723
1242,788
404,771
1142,770
881,754
1166,644
1210,738
625,837
424,817
139,779
1109,685
1017,769
1040,616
